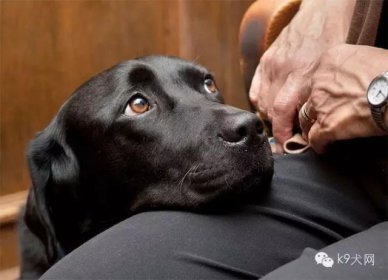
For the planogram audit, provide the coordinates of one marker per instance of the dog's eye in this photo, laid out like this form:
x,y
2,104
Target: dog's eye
x,y
137,105
210,86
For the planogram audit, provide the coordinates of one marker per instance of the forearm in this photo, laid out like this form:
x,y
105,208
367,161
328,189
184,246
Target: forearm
x,y
327,19
368,62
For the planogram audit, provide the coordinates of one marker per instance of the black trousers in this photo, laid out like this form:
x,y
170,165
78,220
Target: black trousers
x,y
314,201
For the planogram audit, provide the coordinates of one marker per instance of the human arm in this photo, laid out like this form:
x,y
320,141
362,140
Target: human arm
x,y
338,100
281,81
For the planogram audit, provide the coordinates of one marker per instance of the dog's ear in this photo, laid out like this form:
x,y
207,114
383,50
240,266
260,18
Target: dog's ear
x,y
53,169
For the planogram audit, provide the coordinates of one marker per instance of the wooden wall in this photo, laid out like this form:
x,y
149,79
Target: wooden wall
x,y
48,48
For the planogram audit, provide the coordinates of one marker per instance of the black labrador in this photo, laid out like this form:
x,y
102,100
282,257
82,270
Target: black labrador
x,y
150,133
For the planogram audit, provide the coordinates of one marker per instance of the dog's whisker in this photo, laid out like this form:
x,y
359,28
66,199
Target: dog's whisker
x,y
180,184
196,168
195,60
226,182
184,177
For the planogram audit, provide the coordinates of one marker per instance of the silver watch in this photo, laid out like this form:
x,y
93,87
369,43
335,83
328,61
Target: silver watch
x,y
377,94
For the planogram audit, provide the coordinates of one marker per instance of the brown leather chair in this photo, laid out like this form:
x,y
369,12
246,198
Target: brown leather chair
x,y
260,26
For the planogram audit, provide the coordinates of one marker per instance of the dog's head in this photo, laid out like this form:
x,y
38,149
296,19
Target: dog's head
x,y
148,133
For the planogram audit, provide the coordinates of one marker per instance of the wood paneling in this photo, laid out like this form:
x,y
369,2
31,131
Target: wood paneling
x,y
210,37
9,209
10,273
48,48
9,255
10,205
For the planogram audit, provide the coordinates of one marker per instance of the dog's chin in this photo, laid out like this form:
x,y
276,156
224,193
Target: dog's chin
x,y
212,193
214,186
229,185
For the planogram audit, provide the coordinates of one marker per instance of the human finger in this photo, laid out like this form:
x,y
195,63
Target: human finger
x,y
255,87
285,109
318,138
307,117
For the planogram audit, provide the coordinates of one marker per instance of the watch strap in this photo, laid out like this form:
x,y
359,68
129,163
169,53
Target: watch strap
x,y
378,117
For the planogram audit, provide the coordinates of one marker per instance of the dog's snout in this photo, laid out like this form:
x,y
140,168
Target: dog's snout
x,y
243,127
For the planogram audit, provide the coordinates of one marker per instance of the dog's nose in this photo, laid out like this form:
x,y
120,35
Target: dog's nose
x,y
242,127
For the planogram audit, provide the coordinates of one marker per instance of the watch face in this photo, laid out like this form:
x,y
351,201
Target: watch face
x,y
378,91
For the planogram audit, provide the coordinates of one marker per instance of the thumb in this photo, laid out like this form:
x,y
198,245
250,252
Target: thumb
x,y
285,109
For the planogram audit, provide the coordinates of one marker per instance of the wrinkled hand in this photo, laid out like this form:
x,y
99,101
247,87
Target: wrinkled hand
x,y
338,100
281,83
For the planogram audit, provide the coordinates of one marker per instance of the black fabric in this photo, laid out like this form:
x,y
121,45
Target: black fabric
x,y
359,257
314,201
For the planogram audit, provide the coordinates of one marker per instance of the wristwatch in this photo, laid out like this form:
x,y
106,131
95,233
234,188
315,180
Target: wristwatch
x,y
377,94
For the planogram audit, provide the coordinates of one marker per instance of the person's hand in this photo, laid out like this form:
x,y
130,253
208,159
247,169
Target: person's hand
x,y
282,79
338,107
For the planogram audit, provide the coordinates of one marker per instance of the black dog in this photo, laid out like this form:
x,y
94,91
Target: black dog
x,y
150,133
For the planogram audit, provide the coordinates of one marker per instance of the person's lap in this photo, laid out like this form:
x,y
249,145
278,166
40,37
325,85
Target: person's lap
x,y
313,202
358,257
